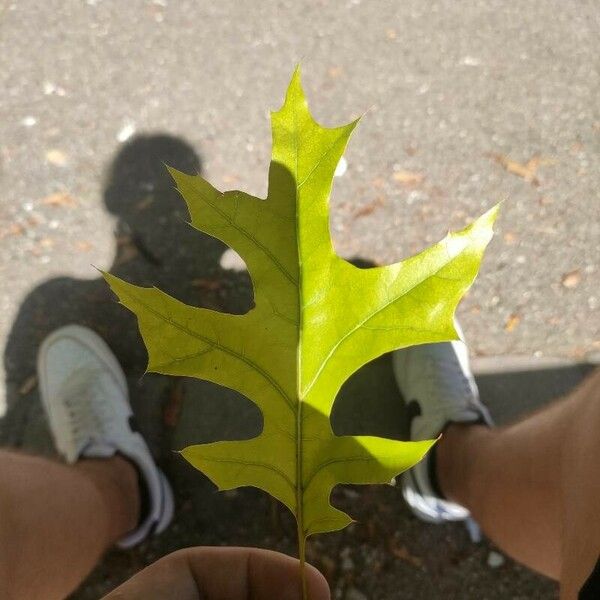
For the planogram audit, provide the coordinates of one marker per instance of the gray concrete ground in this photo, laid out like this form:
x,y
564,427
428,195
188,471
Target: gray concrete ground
x,y
467,103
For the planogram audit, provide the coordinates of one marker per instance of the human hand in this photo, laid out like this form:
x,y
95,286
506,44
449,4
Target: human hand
x,y
214,573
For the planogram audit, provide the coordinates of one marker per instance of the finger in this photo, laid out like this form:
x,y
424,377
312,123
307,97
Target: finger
x,y
170,577
223,574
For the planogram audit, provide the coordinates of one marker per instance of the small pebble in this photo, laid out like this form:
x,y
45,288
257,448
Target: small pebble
x,y
495,559
51,88
471,61
125,132
56,157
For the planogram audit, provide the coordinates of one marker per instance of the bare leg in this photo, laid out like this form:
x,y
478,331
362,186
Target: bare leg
x,y
534,486
57,520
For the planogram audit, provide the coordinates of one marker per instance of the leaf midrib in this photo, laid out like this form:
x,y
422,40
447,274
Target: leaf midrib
x,y
253,463
299,490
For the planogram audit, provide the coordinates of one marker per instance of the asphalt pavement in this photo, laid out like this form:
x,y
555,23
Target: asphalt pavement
x,y
465,104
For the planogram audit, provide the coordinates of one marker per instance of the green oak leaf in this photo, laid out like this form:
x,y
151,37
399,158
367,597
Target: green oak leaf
x,y
316,320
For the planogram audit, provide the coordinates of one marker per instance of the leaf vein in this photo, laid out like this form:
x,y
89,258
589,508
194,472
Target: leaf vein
x,y
265,374
321,159
332,461
372,316
254,240
250,463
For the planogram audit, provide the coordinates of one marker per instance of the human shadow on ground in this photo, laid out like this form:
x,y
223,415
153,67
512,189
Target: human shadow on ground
x,y
154,245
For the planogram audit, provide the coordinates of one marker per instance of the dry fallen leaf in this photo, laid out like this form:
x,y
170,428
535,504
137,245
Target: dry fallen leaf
x,y
60,199
527,171
408,178
83,245
512,322
403,553
28,385
571,279
56,157
172,408
368,208
12,229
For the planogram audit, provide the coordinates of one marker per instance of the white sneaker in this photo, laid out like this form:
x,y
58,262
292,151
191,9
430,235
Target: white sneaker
x,y
438,388
84,393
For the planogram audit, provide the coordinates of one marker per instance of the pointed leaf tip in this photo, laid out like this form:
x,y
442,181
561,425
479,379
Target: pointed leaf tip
x,y
295,92
491,215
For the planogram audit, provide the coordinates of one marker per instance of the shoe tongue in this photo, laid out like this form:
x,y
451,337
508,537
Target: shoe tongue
x,y
98,449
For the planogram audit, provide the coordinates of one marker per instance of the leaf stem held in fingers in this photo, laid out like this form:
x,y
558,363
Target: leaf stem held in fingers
x,y
302,556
